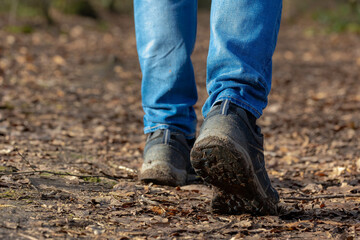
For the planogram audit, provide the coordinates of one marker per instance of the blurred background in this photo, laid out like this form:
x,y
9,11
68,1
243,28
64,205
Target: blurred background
x,y
335,15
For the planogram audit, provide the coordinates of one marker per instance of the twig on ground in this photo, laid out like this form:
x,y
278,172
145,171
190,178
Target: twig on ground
x,y
27,236
127,169
227,225
25,160
64,174
322,197
148,201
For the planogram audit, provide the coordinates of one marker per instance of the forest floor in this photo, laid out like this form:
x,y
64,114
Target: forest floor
x,y
71,138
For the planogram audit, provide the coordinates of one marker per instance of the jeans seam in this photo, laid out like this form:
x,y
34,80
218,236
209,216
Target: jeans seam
x,y
273,47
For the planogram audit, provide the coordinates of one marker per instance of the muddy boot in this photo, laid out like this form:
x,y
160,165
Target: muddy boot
x,y
228,154
167,159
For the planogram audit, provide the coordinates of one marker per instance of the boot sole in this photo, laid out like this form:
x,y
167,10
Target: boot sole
x,y
163,174
227,166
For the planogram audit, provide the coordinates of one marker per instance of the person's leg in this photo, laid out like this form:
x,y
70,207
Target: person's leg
x,y
242,41
165,37
229,150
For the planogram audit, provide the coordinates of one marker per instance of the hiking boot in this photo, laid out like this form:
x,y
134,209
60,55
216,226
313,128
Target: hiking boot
x,y
228,154
167,159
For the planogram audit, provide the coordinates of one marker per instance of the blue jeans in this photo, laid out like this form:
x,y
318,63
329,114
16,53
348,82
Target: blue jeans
x,y
243,35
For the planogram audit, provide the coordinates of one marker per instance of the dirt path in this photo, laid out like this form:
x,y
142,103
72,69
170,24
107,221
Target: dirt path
x,y
70,104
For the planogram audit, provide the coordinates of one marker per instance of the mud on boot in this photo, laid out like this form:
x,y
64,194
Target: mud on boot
x,y
167,159
228,154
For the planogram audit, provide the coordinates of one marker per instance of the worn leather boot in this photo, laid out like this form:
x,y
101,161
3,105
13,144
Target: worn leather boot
x,y
228,154
167,159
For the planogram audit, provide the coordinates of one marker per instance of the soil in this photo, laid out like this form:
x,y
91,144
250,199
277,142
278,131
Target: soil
x,y
71,138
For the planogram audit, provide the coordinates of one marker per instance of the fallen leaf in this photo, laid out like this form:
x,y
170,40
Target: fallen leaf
x,y
59,60
157,210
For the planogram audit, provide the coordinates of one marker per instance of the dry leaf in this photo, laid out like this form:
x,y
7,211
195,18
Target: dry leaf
x,y
59,60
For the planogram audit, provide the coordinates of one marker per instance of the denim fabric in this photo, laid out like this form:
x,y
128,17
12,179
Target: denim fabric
x,y
243,36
